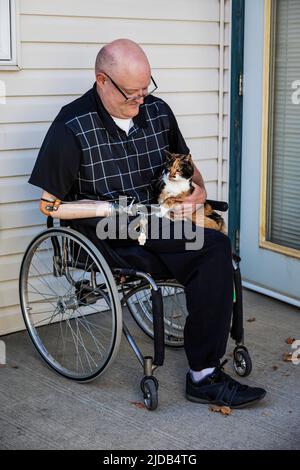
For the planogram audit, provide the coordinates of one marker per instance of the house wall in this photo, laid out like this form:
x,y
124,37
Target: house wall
x,y
187,43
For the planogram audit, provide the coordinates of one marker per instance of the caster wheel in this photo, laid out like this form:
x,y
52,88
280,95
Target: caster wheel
x,y
149,386
242,361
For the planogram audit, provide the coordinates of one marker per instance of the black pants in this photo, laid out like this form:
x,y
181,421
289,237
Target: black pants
x,y
207,276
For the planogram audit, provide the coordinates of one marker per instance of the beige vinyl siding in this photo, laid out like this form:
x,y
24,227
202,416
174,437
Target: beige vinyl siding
x,y
59,40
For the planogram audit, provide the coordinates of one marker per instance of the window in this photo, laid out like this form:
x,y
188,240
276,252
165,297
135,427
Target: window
x,y
281,154
7,33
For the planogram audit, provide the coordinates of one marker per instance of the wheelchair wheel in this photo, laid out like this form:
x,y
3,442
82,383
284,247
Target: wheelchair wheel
x,y
242,362
70,304
175,311
149,386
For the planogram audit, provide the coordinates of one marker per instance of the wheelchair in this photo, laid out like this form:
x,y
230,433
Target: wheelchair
x,y
72,294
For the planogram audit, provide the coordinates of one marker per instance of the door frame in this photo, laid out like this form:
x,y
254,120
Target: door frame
x,y
236,121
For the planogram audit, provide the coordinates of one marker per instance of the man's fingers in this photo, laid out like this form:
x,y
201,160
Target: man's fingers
x,y
184,210
179,208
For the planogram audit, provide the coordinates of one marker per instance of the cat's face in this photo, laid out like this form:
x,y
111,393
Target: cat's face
x,y
178,165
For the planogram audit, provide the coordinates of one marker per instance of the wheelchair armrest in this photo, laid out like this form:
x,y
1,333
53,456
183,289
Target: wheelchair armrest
x,y
218,205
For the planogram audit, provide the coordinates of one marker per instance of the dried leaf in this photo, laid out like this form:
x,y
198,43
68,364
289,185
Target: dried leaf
x,y
224,410
138,404
14,366
287,357
290,340
250,320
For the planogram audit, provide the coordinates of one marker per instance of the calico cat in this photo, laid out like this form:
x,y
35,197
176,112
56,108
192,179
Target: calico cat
x,y
175,183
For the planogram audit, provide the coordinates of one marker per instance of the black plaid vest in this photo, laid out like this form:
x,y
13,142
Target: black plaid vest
x,y
115,164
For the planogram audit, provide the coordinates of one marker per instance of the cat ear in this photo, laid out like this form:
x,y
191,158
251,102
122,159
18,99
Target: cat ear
x,y
185,156
169,155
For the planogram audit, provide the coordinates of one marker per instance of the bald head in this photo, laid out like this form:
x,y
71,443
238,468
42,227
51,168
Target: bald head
x,y
122,57
122,70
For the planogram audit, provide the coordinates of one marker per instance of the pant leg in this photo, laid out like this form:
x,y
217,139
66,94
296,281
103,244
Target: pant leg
x,y
207,275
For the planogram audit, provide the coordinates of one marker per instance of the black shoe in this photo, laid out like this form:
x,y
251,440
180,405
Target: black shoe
x,y
220,389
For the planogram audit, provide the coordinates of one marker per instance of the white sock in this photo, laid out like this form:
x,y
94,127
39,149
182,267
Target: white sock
x,y
201,374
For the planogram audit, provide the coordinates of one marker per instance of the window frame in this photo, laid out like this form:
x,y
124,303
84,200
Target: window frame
x,y
9,26
266,143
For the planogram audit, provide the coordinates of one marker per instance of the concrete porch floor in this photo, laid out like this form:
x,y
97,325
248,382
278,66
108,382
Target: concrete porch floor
x,y
41,410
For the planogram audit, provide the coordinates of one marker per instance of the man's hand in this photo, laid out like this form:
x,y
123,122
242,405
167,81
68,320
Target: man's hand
x,y
190,204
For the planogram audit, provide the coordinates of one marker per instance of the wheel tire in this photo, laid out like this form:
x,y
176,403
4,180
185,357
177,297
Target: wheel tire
x,y
149,388
77,337
242,362
139,304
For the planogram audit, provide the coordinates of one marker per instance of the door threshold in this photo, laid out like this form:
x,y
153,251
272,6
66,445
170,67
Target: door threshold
x,y
271,293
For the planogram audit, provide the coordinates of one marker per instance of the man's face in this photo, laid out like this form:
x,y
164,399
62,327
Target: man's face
x,y
115,89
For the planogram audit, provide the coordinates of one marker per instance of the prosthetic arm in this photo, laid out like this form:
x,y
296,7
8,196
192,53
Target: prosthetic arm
x,y
85,208
50,205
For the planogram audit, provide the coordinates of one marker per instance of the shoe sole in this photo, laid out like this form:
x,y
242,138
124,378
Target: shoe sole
x,y
207,402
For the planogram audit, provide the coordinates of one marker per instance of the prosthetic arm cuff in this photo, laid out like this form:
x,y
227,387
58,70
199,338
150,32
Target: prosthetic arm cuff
x,y
52,205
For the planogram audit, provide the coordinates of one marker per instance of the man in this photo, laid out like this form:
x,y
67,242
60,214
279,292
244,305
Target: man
x,y
112,142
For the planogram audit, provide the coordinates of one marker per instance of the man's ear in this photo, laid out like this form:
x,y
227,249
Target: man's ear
x,y
100,79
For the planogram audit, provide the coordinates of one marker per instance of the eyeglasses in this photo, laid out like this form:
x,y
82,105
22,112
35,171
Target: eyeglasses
x,y
136,97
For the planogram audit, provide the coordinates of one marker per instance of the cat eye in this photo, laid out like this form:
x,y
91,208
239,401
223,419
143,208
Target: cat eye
x,y
134,97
